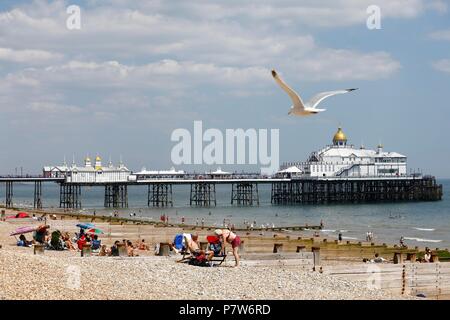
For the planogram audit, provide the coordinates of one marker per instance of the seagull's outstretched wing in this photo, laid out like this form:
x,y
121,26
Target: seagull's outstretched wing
x,y
314,101
297,101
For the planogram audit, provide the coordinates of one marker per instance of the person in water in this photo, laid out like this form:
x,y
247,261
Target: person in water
x,y
232,238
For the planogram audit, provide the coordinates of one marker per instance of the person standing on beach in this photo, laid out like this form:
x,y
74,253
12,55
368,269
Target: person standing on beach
x,y
230,237
340,237
203,222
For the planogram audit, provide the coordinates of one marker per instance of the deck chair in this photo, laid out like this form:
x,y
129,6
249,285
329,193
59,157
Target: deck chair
x,y
180,244
215,245
55,241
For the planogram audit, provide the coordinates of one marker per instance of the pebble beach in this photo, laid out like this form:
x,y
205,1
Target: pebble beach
x,y
65,275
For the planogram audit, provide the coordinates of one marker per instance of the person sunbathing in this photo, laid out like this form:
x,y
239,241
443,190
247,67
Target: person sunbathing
x,y
23,242
194,248
67,242
143,245
115,249
104,251
130,249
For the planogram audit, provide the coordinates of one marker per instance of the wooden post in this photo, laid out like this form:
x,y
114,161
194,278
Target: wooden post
x,y
411,257
122,250
277,247
164,249
241,246
398,258
86,251
38,249
301,248
316,256
434,257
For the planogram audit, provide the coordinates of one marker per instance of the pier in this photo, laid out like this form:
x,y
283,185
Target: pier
x,y
355,190
244,190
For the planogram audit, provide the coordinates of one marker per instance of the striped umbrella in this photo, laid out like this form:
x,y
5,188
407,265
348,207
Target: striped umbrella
x,y
23,230
94,231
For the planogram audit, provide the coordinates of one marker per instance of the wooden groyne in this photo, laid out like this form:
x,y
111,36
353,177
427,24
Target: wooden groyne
x,y
123,220
427,280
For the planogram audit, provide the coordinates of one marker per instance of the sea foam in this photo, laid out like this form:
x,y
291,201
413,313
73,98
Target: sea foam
x,y
422,240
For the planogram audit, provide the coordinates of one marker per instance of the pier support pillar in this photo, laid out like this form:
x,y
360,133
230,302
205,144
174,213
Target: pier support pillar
x,y
9,194
37,195
203,194
69,196
244,193
116,196
160,195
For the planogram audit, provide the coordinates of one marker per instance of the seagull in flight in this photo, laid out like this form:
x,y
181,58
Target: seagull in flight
x,y
309,108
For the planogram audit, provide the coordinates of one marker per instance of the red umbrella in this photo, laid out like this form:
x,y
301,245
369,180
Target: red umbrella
x,y
20,215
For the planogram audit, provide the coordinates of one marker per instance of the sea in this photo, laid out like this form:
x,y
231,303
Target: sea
x,y
420,223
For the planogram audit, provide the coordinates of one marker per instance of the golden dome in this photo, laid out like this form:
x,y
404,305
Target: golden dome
x,y
98,158
87,159
339,136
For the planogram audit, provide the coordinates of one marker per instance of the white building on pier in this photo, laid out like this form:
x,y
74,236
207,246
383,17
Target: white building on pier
x,y
90,172
343,160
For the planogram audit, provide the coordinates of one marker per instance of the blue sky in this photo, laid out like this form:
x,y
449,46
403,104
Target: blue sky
x,y
137,70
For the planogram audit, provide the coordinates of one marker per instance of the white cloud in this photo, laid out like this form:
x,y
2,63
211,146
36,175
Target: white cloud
x,y
28,56
441,35
442,65
147,56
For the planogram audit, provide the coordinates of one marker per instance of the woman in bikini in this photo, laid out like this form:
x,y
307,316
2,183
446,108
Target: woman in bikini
x,y
232,238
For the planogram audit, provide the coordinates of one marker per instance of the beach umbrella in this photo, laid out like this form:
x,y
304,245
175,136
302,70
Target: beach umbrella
x,y
20,215
94,231
85,225
23,230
